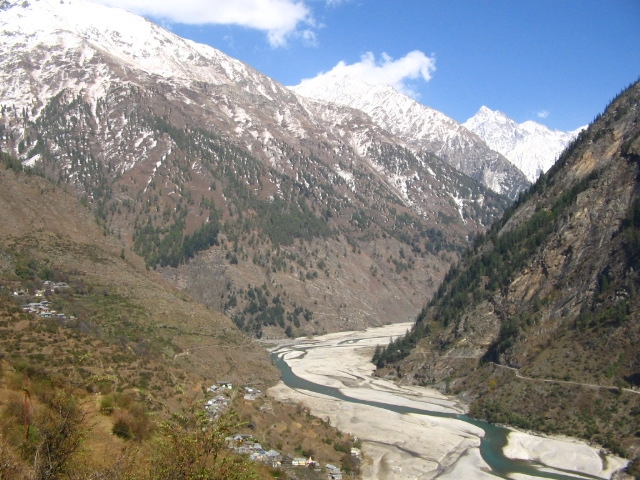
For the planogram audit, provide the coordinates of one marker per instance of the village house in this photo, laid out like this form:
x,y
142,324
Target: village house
x,y
333,472
274,458
251,393
299,462
49,285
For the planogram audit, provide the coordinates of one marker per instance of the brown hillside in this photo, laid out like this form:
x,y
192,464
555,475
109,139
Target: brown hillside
x,y
126,353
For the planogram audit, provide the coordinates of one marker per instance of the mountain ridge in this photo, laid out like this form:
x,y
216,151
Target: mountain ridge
x,y
537,325
422,127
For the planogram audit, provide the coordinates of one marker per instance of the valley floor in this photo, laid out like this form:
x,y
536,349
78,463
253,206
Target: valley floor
x,y
409,445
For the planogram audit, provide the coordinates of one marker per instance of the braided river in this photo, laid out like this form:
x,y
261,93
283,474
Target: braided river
x,y
410,432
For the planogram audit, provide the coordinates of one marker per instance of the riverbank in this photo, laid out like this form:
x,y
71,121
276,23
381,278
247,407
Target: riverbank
x,y
394,444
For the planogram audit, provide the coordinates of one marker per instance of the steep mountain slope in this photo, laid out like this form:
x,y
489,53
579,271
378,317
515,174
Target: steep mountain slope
x,y
47,235
258,202
530,146
540,321
423,128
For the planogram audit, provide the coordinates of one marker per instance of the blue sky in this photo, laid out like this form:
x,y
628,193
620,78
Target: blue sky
x,y
558,62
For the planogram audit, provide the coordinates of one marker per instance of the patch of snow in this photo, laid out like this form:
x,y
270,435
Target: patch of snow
x,y
460,204
31,162
347,177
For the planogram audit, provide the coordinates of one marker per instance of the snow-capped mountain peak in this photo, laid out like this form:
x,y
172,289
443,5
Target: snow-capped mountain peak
x,y
485,115
389,108
530,146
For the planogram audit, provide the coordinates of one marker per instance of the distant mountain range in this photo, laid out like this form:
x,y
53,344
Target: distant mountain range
x,y
530,146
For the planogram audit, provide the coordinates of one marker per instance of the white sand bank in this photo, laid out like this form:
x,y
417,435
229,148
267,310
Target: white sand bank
x,y
563,453
469,465
397,446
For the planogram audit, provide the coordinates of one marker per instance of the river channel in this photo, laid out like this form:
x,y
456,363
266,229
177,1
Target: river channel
x,y
411,432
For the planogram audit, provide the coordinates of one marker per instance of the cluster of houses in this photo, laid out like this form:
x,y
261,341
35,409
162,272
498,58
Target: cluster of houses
x,y
43,306
52,286
47,287
246,445
218,403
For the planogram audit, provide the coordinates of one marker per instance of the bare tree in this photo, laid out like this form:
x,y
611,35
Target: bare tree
x,y
60,431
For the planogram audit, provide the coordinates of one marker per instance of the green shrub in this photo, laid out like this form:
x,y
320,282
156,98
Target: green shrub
x,y
122,429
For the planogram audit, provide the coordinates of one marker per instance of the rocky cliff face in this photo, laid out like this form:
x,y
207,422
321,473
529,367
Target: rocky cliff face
x,y
548,298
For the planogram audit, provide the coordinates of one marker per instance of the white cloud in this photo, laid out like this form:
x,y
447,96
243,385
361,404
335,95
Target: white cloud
x,y
543,114
280,19
398,73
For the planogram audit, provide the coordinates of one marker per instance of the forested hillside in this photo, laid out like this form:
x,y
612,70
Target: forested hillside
x,y
539,323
